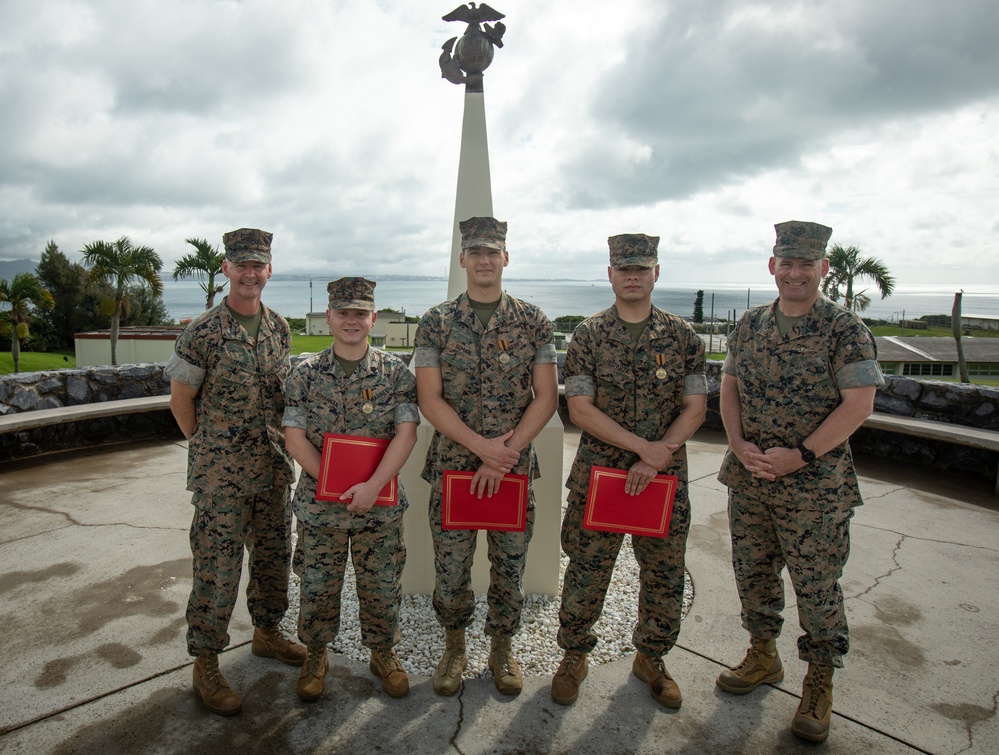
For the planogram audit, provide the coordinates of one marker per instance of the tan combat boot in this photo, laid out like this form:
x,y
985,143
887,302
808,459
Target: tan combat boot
x,y
268,642
447,675
662,686
386,666
506,670
311,678
811,721
571,672
760,666
212,687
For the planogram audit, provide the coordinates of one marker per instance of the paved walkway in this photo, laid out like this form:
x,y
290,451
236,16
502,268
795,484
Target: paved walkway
x,y
95,571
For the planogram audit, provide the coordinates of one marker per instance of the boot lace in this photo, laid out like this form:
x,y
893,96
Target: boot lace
x,y
214,673
389,661
450,661
753,656
816,683
570,663
313,661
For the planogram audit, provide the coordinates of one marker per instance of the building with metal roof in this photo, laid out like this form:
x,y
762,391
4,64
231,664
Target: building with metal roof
x,y
937,357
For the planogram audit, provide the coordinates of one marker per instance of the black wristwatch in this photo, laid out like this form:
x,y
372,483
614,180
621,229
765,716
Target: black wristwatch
x,y
807,456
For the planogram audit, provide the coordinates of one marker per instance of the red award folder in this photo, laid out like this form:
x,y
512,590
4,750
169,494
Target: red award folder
x,y
348,460
610,509
505,510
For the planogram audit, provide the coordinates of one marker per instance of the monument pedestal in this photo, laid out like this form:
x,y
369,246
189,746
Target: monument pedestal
x,y
541,570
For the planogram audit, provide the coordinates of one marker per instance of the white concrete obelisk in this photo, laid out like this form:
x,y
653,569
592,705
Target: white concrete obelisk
x,y
474,194
474,198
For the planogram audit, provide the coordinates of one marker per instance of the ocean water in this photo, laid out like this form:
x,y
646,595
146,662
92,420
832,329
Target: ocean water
x,y
294,297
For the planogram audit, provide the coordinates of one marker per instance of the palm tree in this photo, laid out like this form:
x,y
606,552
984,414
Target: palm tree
x,y
206,261
845,265
118,264
21,293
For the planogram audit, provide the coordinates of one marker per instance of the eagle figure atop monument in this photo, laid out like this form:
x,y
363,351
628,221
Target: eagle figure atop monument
x,y
474,51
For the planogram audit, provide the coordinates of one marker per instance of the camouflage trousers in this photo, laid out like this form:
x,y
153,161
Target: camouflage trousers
x,y
222,527
813,544
454,602
592,555
378,553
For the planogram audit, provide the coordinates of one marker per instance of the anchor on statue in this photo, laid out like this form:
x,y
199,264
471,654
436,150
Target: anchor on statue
x,y
474,51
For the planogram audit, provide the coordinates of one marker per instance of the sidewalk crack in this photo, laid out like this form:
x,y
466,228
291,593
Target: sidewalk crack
x,y
970,715
897,567
461,720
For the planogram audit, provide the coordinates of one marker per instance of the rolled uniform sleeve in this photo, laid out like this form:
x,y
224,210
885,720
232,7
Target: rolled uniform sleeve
x,y
426,356
860,375
695,385
580,385
546,354
406,409
296,389
184,372
854,361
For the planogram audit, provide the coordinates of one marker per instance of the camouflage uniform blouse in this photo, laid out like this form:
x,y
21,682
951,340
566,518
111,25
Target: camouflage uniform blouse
x,y
322,399
788,386
238,446
486,373
640,385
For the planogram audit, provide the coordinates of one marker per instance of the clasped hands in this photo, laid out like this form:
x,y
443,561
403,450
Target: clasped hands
x,y
769,464
653,457
497,460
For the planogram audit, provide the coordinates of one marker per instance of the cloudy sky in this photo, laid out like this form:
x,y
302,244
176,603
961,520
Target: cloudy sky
x,y
327,123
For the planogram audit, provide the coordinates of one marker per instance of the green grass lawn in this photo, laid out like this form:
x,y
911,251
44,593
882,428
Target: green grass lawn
x,y
36,361
313,344
301,344
932,331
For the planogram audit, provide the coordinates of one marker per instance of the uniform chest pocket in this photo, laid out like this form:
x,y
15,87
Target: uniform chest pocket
x,y
375,400
511,354
238,364
460,357
613,381
808,367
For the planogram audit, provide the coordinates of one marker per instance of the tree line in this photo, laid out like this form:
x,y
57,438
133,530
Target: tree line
x,y
117,284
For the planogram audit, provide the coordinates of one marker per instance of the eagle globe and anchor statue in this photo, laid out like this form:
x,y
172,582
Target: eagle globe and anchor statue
x,y
474,51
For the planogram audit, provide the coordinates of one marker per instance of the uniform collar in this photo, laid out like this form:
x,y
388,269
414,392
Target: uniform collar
x,y
329,364
502,317
805,326
233,330
657,326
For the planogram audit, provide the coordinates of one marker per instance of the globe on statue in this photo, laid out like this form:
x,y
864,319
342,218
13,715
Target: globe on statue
x,y
473,53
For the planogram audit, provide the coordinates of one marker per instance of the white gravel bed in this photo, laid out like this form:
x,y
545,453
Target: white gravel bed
x,y
423,638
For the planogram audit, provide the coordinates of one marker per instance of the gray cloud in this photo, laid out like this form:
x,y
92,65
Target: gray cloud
x,y
329,125
711,92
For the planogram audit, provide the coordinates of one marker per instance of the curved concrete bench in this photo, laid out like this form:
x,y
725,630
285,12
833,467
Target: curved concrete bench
x,y
62,415
972,437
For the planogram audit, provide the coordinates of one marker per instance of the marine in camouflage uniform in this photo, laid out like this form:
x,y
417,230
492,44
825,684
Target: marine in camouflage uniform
x,y
637,389
486,370
350,389
226,374
799,378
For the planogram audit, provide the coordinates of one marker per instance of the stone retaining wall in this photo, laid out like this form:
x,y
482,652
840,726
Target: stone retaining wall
x,y
975,406
30,391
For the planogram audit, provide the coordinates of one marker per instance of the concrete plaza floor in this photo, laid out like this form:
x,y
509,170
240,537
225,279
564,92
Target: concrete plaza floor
x,y
95,572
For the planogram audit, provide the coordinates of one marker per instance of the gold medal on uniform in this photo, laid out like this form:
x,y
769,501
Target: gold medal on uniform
x,y
661,361
503,346
368,407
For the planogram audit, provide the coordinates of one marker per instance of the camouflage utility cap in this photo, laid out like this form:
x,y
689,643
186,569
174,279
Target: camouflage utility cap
x,y
802,240
248,245
484,233
352,293
633,250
